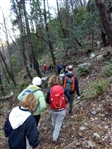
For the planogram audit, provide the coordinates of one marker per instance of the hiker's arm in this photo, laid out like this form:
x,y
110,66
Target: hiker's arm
x,y
48,97
77,86
67,94
42,102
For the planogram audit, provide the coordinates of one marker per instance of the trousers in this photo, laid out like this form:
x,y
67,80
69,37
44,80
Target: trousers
x,y
71,102
57,118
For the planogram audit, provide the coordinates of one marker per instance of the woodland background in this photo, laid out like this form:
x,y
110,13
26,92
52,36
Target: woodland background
x,y
78,33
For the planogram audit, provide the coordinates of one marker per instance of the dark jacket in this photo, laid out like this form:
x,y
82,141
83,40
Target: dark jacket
x,y
17,129
66,92
70,75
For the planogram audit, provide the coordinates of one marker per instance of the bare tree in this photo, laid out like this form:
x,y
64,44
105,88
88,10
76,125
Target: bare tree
x,y
11,74
6,66
49,41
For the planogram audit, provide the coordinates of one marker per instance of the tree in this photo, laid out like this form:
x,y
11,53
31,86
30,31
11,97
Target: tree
x,y
104,19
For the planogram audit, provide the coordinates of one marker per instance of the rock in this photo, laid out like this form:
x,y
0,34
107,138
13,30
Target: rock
x,y
96,135
77,143
92,55
61,75
82,128
99,57
90,144
93,112
44,78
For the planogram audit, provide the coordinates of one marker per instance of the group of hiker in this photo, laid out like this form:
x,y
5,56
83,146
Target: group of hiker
x,y
46,69
21,125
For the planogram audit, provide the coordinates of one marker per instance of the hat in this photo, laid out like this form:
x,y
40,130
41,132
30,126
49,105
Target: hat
x,y
36,81
70,68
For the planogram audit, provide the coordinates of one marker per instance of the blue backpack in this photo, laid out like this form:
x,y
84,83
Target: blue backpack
x,y
27,92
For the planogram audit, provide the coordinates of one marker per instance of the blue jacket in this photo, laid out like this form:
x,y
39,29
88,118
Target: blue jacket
x,y
19,126
70,75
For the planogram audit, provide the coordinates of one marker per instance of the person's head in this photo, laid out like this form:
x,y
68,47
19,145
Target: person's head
x,y
54,80
28,102
37,81
70,68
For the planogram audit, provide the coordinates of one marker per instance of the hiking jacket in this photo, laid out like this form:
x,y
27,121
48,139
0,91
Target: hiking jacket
x,y
20,126
70,75
39,98
66,92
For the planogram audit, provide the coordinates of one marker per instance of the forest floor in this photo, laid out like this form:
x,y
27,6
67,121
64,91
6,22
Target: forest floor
x,y
90,126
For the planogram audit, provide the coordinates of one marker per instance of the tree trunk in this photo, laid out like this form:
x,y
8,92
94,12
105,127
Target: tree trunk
x,y
104,19
63,31
50,44
2,89
9,73
30,42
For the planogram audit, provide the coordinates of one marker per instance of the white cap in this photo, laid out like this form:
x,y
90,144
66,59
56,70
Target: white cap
x,y
36,81
70,67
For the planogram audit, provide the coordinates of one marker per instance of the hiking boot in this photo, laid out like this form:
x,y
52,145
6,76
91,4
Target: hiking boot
x,y
70,112
54,141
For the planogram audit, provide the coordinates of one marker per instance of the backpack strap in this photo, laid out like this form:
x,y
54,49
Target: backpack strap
x,y
64,84
73,83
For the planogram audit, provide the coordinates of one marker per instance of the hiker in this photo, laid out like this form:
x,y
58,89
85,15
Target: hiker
x,y
20,126
70,82
35,87
31,65
45,68
65,68
51,68
59,68
57,97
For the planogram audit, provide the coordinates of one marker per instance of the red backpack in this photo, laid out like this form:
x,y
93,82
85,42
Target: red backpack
x,y
57,98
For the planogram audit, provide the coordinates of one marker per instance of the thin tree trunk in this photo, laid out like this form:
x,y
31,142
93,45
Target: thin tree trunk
x,y
50,44
4,73
63,31
2,89
9,73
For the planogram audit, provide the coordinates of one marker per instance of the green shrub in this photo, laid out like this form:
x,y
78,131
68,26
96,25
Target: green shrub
x,y
22,86
96,88
99,86
82,70
107,70
88,48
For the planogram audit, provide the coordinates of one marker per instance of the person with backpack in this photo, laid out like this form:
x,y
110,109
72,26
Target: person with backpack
x,y
20,126
57,97
70,82
35,88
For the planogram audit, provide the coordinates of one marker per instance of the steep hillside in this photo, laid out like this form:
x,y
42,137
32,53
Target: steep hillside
x,y
90,126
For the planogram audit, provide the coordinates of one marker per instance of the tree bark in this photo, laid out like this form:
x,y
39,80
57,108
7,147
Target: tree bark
x,y
104,19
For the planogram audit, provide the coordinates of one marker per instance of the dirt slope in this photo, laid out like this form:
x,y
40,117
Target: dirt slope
x,y
90,126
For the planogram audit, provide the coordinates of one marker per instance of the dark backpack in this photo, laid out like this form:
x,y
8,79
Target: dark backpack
x,y
27,92
57,98
69,83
